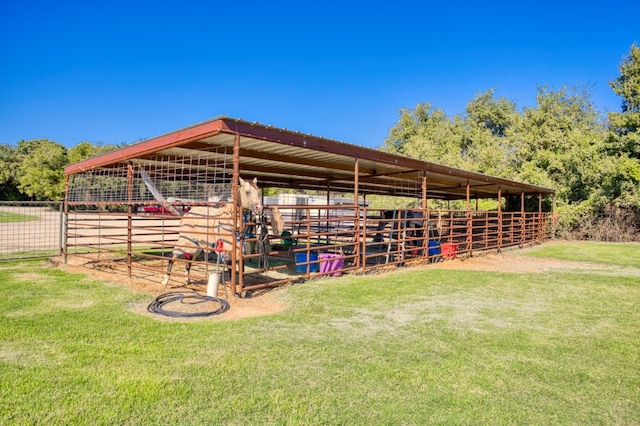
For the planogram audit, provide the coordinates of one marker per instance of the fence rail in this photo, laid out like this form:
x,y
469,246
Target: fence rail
x,y
320,240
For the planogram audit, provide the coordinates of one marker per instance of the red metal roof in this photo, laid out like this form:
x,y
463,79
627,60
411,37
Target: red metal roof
x,y
286,159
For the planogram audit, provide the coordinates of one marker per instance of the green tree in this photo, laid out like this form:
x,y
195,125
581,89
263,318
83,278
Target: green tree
x,y
494,115
8,173
85,150
559,143
488,143
625,125
41,171
622,182
428,134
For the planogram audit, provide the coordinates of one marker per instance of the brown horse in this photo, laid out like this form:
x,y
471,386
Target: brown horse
x,y
204,227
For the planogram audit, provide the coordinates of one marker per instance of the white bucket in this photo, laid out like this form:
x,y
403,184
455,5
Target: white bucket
x,y
212,285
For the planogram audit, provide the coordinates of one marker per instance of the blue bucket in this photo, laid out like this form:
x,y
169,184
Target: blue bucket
x,y
301,262
434,248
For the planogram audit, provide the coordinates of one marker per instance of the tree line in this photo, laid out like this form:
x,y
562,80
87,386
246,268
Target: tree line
x,y
562,142
34,170
593,161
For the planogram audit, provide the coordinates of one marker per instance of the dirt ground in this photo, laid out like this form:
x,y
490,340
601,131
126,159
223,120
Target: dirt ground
x,y
269,301
512,260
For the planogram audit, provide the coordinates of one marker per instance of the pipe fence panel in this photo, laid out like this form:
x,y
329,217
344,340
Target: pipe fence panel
x,y
318,240
30,229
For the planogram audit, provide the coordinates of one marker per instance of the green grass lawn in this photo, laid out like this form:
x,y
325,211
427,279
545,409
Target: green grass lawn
x,y
408,347
15,217
621,254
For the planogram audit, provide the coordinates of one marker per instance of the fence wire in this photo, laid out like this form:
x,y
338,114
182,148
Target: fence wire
x,y
175,178
30,229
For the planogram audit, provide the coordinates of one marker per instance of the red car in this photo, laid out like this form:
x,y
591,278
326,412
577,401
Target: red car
x,y
155,209
163,210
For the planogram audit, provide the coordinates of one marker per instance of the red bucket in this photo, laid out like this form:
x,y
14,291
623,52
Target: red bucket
x,y
448,250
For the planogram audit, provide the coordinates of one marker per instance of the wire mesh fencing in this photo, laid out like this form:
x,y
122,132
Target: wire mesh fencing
x,y
30,229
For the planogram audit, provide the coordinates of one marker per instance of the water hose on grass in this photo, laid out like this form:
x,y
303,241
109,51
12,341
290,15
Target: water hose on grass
x,y
158,305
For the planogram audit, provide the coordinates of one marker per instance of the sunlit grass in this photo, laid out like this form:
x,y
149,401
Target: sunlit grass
x,y
621,254
407,347
15,217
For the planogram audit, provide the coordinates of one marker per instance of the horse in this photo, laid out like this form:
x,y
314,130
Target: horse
x,y
206,226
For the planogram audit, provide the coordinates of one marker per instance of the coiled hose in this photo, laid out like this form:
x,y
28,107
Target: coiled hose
x,y
157,306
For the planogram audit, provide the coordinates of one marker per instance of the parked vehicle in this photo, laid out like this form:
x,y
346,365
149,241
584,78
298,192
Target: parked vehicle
x,y
163,210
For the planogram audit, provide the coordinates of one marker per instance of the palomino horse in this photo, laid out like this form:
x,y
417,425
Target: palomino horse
x,y
206,226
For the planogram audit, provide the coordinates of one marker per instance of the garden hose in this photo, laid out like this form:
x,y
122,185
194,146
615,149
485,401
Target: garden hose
x,y
157,306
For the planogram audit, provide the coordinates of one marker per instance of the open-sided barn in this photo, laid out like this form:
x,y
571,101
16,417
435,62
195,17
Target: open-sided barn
x,y
125,207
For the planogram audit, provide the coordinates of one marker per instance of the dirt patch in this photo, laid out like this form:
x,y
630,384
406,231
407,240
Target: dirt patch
x,y
270,301
263,304
515,263
258,303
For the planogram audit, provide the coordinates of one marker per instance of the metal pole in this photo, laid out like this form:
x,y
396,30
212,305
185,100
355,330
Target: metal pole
x,y
358,231
64,221
523,220
499,219
425,216
469,222
129,219
539,233
236,267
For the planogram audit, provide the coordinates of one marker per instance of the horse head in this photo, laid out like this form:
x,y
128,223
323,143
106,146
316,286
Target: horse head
x,y
250,195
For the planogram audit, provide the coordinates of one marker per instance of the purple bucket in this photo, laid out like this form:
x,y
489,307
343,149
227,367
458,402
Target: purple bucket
x,y
331,264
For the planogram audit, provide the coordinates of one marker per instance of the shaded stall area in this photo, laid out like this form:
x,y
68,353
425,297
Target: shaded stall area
x,y
124,208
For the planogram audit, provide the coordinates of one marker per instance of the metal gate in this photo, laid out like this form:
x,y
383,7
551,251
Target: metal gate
x,y
30,229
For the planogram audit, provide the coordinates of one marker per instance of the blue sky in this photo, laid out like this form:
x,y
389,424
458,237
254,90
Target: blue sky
x,y
122,71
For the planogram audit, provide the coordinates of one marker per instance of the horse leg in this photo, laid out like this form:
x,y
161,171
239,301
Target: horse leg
x,y
168,273
187,267
189,257
176,254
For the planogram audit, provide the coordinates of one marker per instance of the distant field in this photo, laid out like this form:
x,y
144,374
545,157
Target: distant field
x,y
15,217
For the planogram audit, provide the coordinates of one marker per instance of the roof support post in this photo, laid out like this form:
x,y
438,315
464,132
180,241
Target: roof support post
x,y
356,180
523,221
469,222
499,218
328,192
237,281
425,215
361,233
424,190
540,227
327,215
554,217
65,220
129,220
539,202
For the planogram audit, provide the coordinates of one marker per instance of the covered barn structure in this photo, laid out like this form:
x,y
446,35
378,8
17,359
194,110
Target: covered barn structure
x,y
125,207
